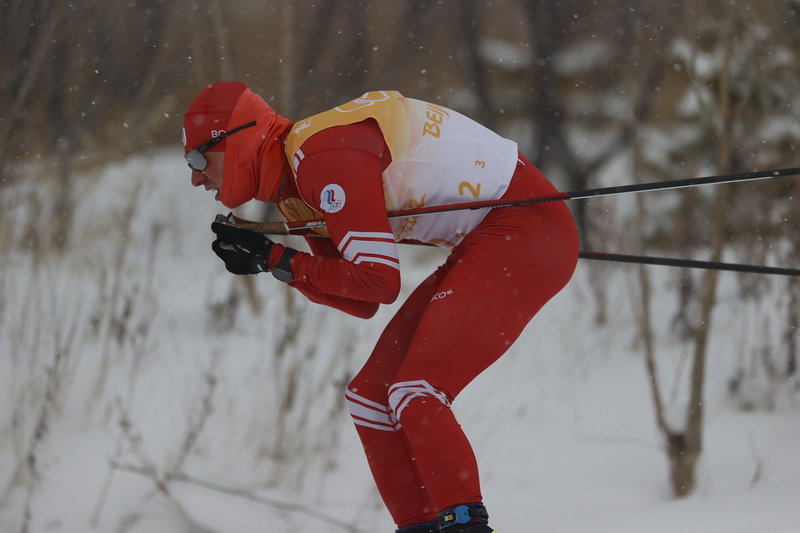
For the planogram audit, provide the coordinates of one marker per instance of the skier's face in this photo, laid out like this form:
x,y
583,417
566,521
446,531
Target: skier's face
x,y
211,177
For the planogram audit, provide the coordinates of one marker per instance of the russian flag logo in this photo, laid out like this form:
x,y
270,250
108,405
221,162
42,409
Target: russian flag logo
x,y
332,198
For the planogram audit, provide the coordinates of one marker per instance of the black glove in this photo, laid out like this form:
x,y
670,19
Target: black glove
x,y
242,250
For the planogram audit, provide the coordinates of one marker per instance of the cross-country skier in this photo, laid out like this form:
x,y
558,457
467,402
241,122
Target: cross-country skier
x,y
348,166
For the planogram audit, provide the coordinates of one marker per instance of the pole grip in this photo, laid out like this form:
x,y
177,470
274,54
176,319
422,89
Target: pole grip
x,y
265,228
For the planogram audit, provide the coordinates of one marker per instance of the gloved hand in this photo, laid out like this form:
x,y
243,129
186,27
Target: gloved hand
x,y
243,251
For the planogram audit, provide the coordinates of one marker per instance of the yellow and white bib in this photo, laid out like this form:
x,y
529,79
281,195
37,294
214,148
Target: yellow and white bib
x,y
439,157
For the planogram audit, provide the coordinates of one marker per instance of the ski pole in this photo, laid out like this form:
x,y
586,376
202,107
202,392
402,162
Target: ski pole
x,y
606,191
278,228
302,226
306,227
688,263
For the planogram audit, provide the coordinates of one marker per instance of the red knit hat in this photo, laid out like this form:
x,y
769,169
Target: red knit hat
x,y
254,158
210,113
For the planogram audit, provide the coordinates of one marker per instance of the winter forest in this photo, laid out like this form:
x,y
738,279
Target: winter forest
x,y
145,389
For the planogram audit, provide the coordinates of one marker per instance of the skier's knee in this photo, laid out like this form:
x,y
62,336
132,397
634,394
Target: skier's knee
x,y
370,413
404,392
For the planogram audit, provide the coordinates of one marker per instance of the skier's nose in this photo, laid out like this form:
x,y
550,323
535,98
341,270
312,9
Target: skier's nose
x,y
198,178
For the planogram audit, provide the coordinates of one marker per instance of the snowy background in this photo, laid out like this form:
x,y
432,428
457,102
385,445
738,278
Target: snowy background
x,y
141,391
144,389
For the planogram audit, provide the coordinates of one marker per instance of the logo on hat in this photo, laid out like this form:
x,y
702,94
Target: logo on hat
x,y
332,198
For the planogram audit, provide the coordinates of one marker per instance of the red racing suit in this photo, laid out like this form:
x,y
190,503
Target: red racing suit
x,y
504,265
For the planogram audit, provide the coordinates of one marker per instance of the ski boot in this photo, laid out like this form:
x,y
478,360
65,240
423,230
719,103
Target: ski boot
x,y
469,518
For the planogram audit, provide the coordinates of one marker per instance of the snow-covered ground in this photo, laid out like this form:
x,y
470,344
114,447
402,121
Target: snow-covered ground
x,y
150,375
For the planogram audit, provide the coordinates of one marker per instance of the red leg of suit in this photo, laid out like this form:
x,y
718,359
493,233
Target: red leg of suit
x,y
387,451
460,321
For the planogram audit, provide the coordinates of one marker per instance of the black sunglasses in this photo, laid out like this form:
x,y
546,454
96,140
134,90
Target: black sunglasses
x,y
195,158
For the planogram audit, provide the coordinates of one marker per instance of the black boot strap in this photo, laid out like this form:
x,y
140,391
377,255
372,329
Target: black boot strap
x,y
463,514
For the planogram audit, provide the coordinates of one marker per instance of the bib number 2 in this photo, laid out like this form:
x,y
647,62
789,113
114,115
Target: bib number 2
x,y
466,187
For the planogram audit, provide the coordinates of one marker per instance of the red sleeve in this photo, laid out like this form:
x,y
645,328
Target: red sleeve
x,y
321,247
340,174
356,308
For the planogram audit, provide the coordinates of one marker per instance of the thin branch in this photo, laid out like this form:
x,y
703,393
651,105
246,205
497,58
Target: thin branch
x,y
148,467
243,493
758,472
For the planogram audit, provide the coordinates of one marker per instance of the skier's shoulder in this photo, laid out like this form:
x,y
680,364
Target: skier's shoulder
x,y
362,136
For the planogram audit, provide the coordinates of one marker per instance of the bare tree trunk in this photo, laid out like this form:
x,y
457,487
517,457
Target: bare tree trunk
x,y
792,327
44,21
644,318
227,68
146,101
685,448
477,75
683,445
309,58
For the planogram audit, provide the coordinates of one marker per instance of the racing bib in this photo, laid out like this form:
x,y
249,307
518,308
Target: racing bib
x,y
439,157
